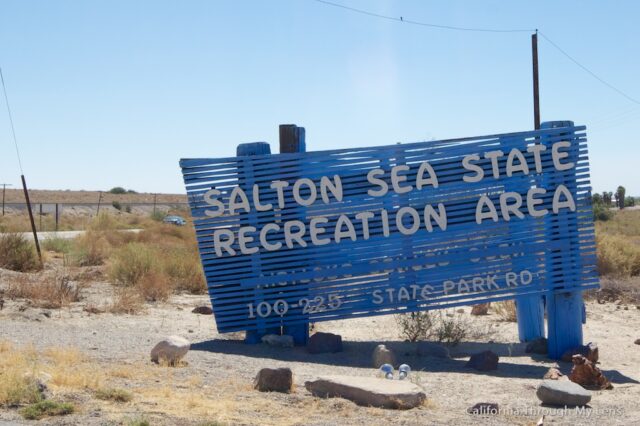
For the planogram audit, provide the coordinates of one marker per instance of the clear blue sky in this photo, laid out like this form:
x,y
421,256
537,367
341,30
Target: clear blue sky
x,y
115,93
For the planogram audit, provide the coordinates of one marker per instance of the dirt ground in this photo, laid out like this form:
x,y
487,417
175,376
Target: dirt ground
x,y
215,385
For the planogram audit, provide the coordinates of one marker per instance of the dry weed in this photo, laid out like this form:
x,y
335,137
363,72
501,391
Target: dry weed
x,y
506,310
50,291
127,301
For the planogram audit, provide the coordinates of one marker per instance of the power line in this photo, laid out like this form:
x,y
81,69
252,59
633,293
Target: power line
x,y
13,130
594,75
401,19
423,24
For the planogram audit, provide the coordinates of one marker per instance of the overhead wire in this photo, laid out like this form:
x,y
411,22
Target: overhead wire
x,y
13,130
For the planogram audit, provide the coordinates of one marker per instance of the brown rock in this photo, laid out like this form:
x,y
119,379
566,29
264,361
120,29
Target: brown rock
x,y
202,310
589,351
481,309
586,374
484,361
553,374
320,343
274,380
637,342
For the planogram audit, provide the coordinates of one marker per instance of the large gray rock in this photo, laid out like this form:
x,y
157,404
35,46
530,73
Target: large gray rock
x,y
321,343
562,393
170,350
433,349
274,380
284,341
383,355
369,391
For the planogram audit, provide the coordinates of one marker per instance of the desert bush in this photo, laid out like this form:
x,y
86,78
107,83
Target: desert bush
x,y
112,394
158,215
184,270
17,254
46,408
117,190
131,263
50,291
451,329
89,249
601,212
506,310
126,301
116,205
415,326
618,256
154,286
59,245
104,222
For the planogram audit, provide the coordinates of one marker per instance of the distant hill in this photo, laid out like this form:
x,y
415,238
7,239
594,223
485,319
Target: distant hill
x,y
51,196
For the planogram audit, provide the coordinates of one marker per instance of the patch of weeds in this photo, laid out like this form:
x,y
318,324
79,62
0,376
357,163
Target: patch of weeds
x,y
138,422
58,245
112,394
46,408
17,253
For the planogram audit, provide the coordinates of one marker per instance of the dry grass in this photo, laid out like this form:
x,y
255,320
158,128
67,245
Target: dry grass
x,y
50,291
619,245
17,254
506,310
127,301
18,384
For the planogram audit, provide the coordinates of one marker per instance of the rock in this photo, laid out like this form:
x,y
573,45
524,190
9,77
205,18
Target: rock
x,y
590,351
586,374
320,343
538,346
484,361
553,374
284,341
562,393
382,355
274,380
170,350
637,342
433,349
460,311
481,309
540,421
484,408
369,391
202,310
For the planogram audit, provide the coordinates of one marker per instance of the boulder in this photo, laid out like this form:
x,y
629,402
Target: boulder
x,y
562,393
484,361
484,408
202,310
432,349
589,351
538,346
369,391
320,343
284,341
170,350
481,309
553,374
637,342
586,374
382,355
274,380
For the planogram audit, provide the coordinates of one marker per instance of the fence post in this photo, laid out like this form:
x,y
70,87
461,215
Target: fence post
x,y
292,139
564,309
255,336
57,216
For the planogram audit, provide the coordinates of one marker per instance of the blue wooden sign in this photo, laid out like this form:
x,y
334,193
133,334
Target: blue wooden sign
x,y
304,237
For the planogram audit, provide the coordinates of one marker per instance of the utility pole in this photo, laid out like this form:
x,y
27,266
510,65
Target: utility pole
x,y
536,88
4,189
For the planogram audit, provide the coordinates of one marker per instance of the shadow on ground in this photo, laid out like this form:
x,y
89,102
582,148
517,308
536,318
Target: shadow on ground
x,y
358,355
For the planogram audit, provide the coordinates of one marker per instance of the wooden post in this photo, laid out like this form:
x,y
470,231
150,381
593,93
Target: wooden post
x,y
255,336
292,139
4,189
536,86
33,224
99,200
57,216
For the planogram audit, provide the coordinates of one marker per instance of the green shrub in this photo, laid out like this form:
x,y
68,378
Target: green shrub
x,y
46,408
17,253
131,263
59,245
602,213
451,329
112,394
158,215
184,269
117,190
116,205
415,326
89,249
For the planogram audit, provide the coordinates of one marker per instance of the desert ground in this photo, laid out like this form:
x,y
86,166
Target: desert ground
x,y
84,326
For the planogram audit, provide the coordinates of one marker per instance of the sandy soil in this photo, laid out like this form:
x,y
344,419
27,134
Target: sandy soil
x,y
221,367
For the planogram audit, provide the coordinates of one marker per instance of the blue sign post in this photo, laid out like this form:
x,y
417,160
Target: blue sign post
x,y
291,238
